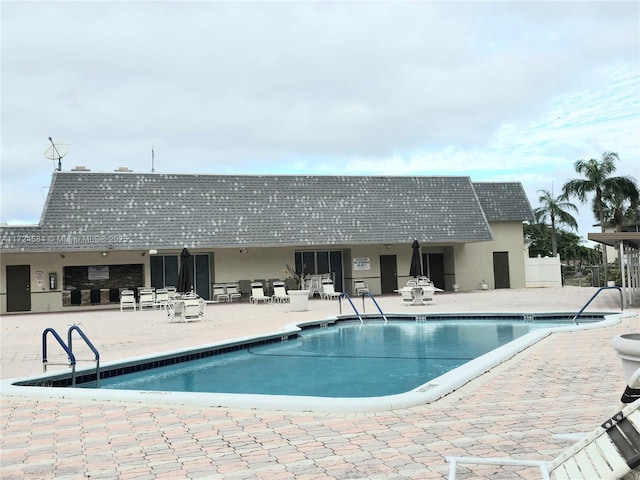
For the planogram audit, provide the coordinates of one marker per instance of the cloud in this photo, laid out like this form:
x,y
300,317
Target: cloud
x,y
487,89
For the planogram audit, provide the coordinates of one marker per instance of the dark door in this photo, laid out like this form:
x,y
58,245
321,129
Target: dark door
x,y
501,269
18,288
388,273
433,267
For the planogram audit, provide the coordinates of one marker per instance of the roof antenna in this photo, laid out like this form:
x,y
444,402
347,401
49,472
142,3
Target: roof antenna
x,y
152,158
56,151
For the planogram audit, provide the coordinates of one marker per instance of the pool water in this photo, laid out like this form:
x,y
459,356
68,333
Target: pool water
x,y
343,360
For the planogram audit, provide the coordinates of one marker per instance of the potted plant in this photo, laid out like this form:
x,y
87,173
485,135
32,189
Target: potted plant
x,y
299,298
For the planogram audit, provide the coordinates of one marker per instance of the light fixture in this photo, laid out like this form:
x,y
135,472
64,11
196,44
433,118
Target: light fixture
x,y
104,254
153,251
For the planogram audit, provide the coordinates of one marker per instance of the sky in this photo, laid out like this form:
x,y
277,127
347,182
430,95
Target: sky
x,y
494,90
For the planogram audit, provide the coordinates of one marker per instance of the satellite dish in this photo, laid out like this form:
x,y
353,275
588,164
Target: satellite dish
x,y
56,151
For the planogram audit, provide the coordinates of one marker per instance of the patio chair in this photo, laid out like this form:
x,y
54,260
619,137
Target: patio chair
x,y
190,310
360,287
162,298
147,298
328,291
609,452
257,293
280,293
127,299
171,291
219,294
234,292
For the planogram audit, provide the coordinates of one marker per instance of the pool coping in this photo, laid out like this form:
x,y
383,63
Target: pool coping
x,y
424,394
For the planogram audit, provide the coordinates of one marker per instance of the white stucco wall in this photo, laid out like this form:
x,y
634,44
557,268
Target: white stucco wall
x,y
474,261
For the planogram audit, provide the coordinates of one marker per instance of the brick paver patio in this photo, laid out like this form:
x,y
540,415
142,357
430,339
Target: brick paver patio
x,y
564,384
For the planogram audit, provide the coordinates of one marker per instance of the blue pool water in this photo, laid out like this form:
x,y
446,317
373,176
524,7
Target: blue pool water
x,y
343,360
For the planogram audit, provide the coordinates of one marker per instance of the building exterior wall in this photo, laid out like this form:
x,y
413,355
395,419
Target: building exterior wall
x,y
465,264
474,261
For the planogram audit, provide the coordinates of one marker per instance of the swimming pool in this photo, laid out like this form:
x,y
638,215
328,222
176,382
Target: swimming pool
x,y
425,341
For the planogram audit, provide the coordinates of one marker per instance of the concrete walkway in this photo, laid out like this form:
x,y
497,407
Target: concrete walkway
x,y
566,383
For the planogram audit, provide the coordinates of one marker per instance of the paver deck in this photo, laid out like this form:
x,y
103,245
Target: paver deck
x,y
566,383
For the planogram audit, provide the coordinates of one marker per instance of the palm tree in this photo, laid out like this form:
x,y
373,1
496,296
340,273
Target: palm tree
x,y
556,209
599,181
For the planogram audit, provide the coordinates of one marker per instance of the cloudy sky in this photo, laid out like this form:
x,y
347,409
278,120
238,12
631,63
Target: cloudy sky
x,y
498,91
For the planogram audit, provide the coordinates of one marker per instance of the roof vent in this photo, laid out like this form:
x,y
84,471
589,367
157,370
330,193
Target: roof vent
x,y
123,169
80,168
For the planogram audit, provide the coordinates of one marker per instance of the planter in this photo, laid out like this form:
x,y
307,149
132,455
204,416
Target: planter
x,y
456,287
628,348
484,286
299,300
611,283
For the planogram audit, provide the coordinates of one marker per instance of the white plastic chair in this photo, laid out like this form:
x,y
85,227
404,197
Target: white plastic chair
x,y
280,293
234,292
328,291
360,287
146,298
219,294
257,293
609,452
191,310
162,298
127,299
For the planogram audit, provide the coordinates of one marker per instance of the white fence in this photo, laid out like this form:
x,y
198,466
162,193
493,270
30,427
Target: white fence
x,y
542,272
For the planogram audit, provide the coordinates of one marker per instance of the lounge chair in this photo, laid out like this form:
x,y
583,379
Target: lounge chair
x,y
328,291
162,298
257,293
219,294
191,309
609,452
147,298
127,299
360,287
233,292
280,293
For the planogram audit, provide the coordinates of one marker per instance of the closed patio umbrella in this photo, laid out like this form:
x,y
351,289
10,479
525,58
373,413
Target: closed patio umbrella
x,y
184,274
416,263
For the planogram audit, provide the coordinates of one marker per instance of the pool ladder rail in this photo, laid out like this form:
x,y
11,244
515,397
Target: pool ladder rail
x,y
364,294
594,296
68,348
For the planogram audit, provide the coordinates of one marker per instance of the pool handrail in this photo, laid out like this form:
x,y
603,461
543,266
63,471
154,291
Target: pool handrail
x,y
89,344
346,295
72,358
594,296
369,294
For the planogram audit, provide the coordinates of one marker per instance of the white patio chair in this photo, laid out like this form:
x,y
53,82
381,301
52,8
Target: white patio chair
x,y
171,291
360,287
234,292
257,293
127,299
190,310
280,293
328,291
146,298
219,294
609,452
162,298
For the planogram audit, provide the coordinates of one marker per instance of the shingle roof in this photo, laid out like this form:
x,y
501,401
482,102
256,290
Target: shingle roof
x,y
504,201
93,211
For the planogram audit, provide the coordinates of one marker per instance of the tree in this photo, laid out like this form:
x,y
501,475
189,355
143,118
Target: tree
x,y
556,210
600,182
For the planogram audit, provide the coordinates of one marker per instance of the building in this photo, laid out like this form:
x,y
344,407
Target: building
x,y
101,232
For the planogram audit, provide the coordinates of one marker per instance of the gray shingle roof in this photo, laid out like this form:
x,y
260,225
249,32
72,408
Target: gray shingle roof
x,y
504,201
94,211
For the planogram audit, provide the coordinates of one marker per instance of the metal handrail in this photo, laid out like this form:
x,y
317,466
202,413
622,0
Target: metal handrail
x,y
346,295
376,304
89,344
72,358
594,296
